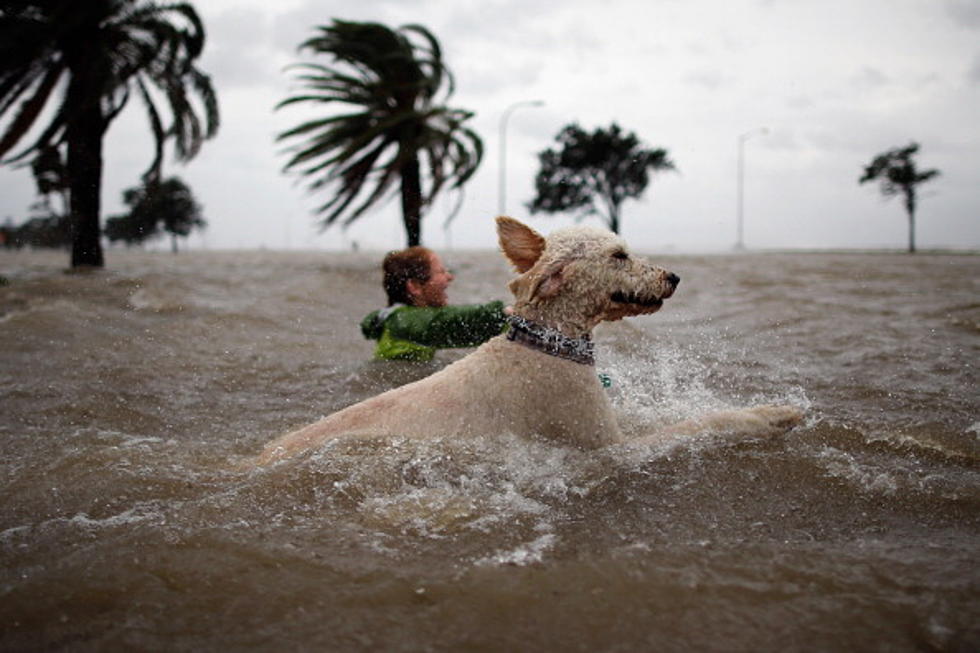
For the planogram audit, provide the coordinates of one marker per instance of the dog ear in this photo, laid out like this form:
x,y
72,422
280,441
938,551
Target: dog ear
x,y
521,245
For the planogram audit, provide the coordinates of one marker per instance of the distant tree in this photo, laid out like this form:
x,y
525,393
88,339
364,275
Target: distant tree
x,y
101,53
155,208
44,229
48,226
393,126
594,173
124,228
51,178
7,230
896,172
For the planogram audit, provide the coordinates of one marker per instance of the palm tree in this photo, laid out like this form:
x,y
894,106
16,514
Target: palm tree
x,y
392,122
99,53
896,172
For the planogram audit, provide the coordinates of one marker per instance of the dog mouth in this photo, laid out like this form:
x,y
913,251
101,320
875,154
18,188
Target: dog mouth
x,y
646,301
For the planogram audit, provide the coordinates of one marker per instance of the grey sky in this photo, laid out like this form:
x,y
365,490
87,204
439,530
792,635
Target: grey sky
x,y
834,81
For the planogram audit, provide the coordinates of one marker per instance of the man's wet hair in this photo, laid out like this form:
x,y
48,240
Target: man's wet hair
x,y
399,267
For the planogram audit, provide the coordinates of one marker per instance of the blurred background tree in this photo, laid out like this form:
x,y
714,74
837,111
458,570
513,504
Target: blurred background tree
x,y
51,178
156,207
123,228
99,53
593,173
47,226
395,126
896,172
43,229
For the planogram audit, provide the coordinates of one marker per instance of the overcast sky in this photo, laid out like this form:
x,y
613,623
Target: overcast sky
x,y
833,81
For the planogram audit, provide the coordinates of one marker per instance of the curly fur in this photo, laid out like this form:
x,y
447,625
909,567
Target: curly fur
x,y
570,281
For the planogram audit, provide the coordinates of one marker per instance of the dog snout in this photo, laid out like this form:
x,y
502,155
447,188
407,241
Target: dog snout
x,y
670,281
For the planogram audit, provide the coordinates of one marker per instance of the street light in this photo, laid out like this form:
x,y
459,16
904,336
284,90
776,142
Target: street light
x,y
502,195
739,217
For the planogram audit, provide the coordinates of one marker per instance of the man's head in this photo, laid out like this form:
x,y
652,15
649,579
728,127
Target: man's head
x,y
416,277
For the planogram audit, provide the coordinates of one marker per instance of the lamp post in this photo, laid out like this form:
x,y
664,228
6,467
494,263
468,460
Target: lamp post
x,y
739,214
502,194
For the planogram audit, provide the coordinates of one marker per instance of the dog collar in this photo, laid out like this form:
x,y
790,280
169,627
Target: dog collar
x,y
551,341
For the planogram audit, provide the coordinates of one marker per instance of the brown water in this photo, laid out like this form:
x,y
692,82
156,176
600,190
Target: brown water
x,y
130,396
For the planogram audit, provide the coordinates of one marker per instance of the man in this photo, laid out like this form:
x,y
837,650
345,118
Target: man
x,y
418,319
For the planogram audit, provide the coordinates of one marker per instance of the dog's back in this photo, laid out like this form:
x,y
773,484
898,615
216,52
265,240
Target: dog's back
x,y
502,387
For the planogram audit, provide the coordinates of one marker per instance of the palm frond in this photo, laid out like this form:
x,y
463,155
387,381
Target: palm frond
x,y
29,110
156,126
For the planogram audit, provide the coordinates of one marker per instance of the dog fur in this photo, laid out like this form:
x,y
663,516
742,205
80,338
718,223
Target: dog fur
x,y
570,281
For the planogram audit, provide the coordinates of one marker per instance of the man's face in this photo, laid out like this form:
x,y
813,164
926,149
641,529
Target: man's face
x,y
433,291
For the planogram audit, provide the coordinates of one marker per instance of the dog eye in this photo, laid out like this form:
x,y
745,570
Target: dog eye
x,y
621,255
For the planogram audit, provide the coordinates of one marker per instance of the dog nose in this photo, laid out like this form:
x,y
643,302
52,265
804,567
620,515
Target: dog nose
x,y
673,279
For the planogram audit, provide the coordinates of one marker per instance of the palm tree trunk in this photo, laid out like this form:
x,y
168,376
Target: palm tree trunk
x,y
912,232
84,134
412,201
910,208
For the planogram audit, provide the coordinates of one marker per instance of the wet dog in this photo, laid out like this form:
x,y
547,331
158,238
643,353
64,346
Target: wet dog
x,y
538,379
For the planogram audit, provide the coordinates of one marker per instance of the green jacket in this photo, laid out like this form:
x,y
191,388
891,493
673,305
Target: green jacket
x,y
415,332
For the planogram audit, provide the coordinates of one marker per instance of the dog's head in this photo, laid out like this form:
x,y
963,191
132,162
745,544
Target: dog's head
x,y
580,276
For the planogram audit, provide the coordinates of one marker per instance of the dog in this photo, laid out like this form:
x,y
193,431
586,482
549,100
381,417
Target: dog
x,y
538,379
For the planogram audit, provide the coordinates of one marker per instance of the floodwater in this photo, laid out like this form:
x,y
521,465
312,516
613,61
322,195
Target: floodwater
x,y
130,398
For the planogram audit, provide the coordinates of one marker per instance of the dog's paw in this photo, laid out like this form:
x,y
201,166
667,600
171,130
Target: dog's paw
x,y
779,418
755,421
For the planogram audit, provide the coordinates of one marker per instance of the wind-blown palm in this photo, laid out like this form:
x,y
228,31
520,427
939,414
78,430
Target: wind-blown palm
x,y
394,125
897,173
100,53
